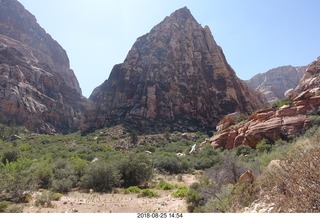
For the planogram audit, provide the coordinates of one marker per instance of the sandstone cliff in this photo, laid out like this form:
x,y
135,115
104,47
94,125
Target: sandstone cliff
x,y
175,76
275,82
284,123
37,87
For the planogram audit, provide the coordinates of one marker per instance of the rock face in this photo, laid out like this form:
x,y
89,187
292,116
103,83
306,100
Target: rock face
x,y
175,76
275,82
37,87
284,123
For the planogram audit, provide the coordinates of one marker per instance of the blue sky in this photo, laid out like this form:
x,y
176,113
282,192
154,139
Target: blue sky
x,y
255,35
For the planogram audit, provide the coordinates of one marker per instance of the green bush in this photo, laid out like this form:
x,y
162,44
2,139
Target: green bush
x,y
281,103
148,193
43,199
3,206
164,186
101,177
64,177
181,192
43,176
242,117
10,155
263,146
170,164
135,169
62,185
132,189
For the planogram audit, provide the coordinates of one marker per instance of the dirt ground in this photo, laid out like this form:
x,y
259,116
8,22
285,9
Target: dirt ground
x,y
118,203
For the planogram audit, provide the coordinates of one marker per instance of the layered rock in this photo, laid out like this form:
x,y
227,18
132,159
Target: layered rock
x,y
284,123
37,87
175,76
275,82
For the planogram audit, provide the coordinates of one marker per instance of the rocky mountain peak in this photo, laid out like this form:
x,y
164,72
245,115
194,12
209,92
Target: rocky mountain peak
x,y
37,87
175,76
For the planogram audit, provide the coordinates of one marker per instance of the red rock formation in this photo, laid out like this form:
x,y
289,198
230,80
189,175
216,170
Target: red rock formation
x,y
37,87
176,76
272,124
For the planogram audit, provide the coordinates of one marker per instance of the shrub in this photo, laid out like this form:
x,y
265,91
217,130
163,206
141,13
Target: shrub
x,y
101,177
242,117
227,171
134,137
132,189
135,169
62,185
148,193
181,192
281,103
43,176
164,186
43,199
170,164
263,146
10,155
3,206
295,186
64,177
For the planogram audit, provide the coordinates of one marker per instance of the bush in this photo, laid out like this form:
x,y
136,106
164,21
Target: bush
x,y
101,177
43,199
148,193
135,169
3,206
181,192
43,176
281,103
10,155
132,189
170,164
295,186
164,186
263,146
62,185
64,177
134,137
242,117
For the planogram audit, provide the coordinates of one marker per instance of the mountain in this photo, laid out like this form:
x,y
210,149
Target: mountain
x,y
175,76
284,122
37,87
275,82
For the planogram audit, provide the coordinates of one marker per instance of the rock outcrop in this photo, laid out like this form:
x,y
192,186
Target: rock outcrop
x,y
175,76
275,82
284,123
37,87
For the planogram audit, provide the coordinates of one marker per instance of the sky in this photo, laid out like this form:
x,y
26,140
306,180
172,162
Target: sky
x,y
255,35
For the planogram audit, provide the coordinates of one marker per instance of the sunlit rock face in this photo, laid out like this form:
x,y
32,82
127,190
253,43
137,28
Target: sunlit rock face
x,y
176,76
37,87
275,82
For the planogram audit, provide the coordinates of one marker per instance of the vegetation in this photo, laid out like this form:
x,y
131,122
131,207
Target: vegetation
x,y
281,103
57,164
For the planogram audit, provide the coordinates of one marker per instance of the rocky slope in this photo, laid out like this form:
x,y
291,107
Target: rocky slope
x,y
175,76
37,87
275,82
284,123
